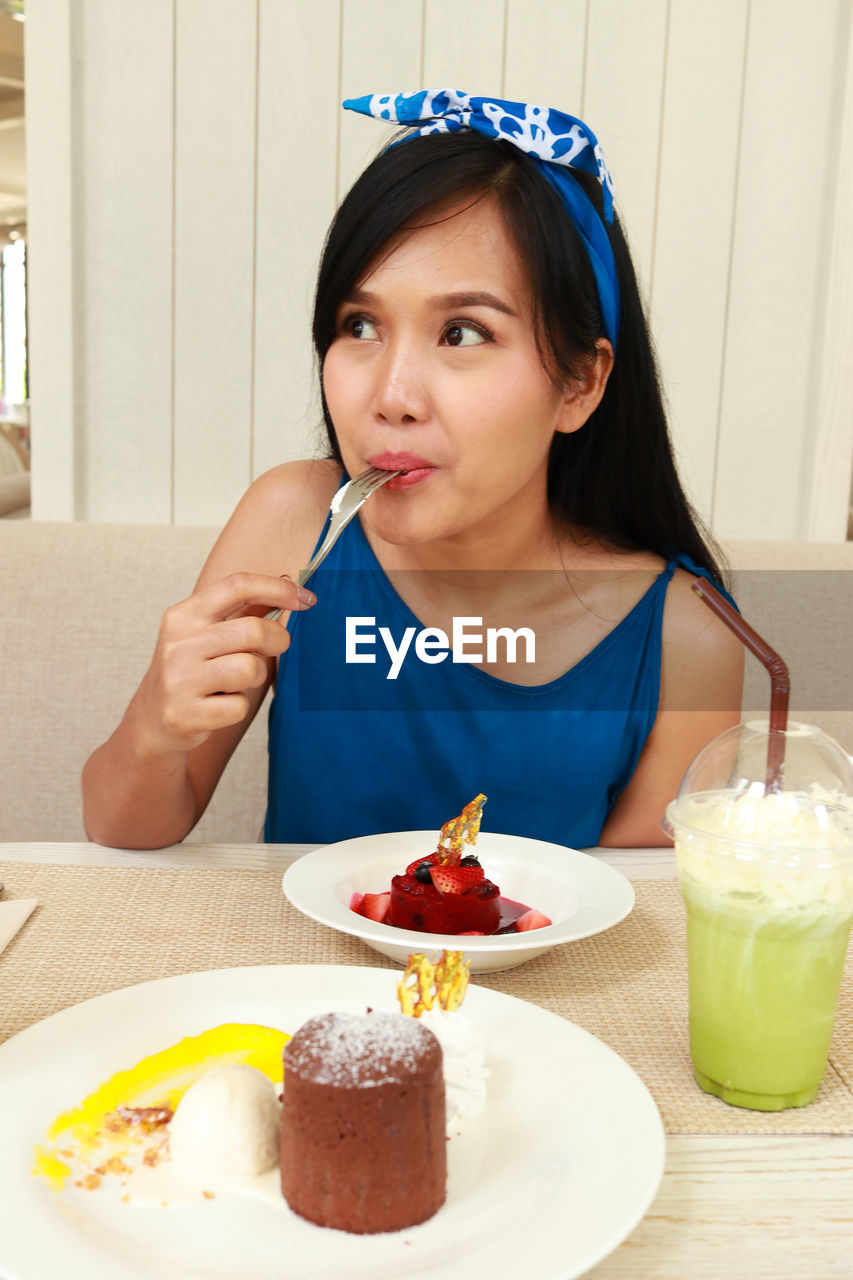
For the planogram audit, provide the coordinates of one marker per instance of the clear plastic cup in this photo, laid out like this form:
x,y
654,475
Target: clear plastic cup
x,y
767,881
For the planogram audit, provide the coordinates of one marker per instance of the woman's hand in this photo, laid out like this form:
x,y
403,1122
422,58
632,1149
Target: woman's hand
x,y
150,782
214,652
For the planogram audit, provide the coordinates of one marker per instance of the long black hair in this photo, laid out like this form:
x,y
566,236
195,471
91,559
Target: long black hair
x,y
615,477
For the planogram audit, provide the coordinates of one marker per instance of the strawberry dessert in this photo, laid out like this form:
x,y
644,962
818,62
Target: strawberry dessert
x,y
434,897
447,891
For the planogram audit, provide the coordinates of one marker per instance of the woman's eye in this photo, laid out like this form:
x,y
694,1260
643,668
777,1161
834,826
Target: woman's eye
x,y
465,335
359,327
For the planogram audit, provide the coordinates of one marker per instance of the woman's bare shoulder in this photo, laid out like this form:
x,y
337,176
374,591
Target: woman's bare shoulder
x,y
686,616
277,521
700,653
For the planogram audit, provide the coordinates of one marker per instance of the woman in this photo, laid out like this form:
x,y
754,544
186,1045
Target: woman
x,y
477,326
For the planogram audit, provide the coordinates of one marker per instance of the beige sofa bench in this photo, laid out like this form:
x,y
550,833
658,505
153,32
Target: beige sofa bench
x,y
81,604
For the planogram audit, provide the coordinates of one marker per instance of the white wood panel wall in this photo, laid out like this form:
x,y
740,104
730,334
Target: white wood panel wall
x,y
182,180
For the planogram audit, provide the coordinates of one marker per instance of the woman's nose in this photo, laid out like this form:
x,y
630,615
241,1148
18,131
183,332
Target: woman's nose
x,y
400,394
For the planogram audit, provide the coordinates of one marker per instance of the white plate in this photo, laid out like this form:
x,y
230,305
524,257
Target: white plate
x,y
581,895
561,1166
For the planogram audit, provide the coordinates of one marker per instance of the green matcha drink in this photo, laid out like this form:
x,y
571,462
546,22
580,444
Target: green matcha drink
x,y
767,880
763,983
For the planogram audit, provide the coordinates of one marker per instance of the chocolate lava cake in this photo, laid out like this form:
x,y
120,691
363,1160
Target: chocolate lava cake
x,y
363,1145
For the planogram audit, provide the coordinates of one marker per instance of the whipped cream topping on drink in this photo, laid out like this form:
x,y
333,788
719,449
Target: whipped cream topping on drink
x,y
788,819
787,849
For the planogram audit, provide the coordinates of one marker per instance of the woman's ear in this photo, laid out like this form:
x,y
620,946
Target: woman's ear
x,y
583,395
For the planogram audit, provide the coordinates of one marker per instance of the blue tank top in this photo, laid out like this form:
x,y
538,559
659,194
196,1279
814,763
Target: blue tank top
x,y
353,753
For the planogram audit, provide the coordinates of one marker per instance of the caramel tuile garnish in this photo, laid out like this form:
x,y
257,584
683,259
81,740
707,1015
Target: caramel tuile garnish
x,y
451,980
459,832
415,988
424,984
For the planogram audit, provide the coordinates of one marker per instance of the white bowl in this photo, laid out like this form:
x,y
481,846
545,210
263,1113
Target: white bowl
x,y
579,894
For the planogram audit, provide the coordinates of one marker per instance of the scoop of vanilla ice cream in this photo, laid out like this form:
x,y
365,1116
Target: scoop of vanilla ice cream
x,y
464,1054
227,1123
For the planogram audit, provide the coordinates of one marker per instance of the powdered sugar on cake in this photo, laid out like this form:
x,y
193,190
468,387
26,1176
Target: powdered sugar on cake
x,y
359,1052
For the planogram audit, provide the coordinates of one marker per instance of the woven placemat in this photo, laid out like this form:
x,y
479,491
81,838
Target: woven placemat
x,y
99,929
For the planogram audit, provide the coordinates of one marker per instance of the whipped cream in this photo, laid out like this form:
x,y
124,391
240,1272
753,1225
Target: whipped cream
x,y
787,850
784,820
464,1055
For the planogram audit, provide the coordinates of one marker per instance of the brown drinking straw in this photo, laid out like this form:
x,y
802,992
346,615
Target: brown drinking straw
x,y
780,680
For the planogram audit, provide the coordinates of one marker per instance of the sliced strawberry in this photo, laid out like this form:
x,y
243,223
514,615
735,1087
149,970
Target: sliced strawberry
x,y
376,906
356,902
471,933
456,879
532,919
413,866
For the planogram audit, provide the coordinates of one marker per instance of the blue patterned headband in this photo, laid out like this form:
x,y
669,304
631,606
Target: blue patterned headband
x,y
556,142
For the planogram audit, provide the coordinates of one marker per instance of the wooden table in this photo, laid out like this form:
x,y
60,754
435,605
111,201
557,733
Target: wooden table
x,y
736,1207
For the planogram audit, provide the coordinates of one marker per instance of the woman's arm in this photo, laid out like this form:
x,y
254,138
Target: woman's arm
x,y
215,658
700,696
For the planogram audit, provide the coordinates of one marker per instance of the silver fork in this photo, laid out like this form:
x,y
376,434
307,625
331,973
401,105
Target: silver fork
x,y
346,502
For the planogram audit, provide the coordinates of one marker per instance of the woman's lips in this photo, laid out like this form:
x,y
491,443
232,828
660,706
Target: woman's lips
x,y
409,478
415,468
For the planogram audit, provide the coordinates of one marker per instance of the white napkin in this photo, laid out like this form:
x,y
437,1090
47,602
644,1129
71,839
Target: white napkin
x,y
13,914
